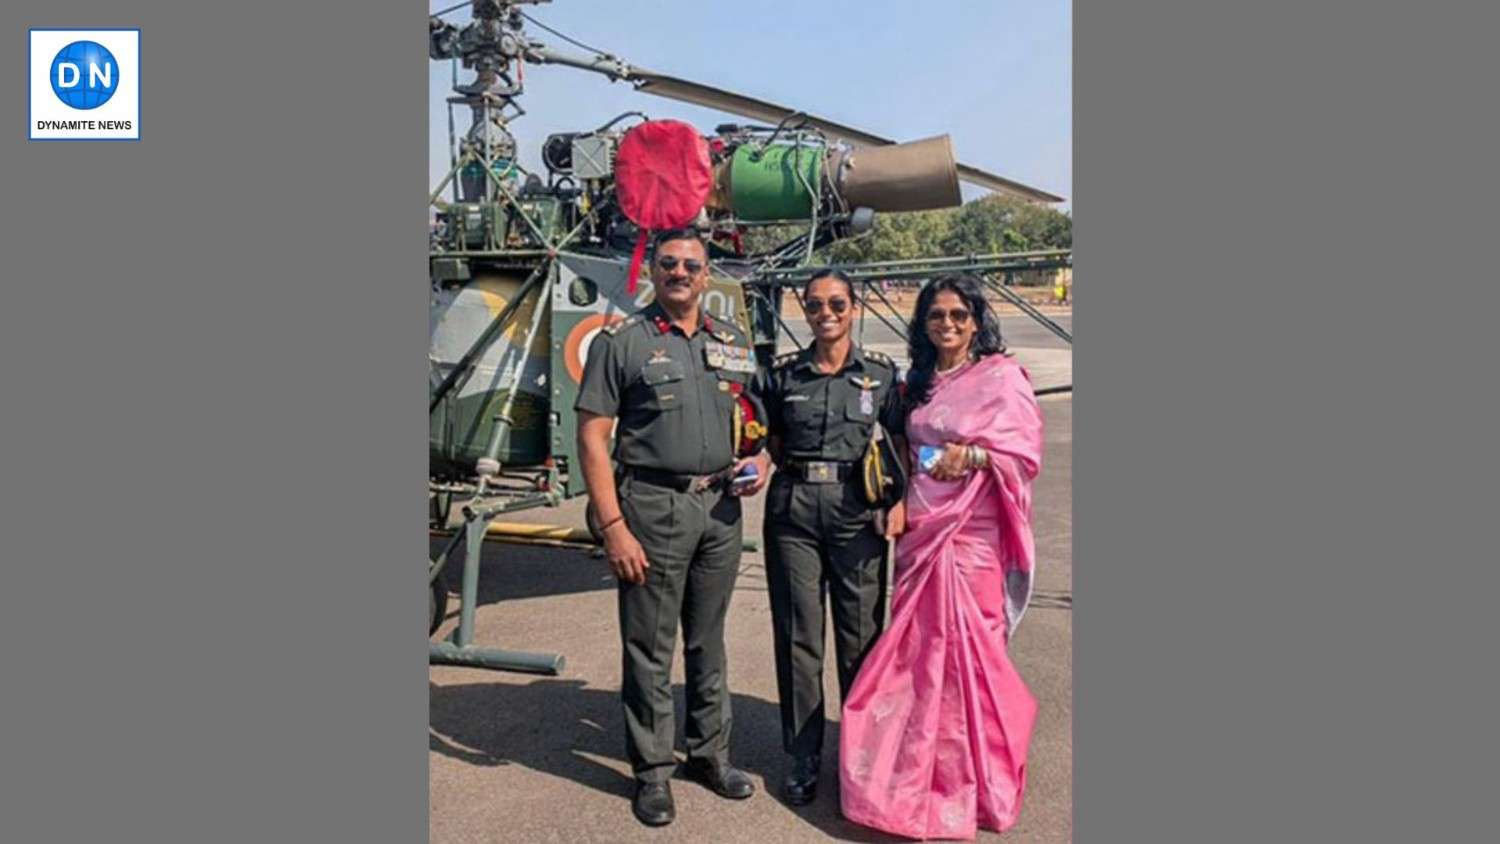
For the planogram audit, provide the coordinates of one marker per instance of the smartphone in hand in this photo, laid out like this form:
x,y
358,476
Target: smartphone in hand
x,y
928,457
744,480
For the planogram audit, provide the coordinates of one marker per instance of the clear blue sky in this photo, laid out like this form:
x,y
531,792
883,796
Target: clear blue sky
x,y
994,74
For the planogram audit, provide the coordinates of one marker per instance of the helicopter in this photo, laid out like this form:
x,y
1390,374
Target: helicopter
x,y
527,268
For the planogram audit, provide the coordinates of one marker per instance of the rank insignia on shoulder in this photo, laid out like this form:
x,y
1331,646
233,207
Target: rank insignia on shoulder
x,y
783,360
880,358
614,328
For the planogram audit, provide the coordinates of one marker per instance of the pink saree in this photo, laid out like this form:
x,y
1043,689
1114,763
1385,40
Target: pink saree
x,y
936,727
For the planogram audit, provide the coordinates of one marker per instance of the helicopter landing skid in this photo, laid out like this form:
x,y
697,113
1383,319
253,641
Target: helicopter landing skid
x,y
459,647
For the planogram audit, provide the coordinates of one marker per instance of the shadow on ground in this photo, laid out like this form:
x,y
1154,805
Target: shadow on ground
x,y
511,571
565,729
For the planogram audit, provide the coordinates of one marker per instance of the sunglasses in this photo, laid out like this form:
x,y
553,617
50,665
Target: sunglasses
x,y
815,306
958,315
669,263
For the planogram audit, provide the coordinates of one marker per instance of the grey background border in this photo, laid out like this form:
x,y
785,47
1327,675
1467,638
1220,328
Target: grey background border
x,y
1283,493
1283,447
212,356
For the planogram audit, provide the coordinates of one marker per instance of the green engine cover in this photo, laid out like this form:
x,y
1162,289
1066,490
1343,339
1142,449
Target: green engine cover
x,y
763,183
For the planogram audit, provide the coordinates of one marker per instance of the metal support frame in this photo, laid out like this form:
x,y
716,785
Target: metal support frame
x,y
459,648
1028,309
928,267
985,266
864,301
500,433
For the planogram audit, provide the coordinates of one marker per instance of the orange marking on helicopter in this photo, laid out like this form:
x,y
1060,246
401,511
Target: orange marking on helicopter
x,y
576,346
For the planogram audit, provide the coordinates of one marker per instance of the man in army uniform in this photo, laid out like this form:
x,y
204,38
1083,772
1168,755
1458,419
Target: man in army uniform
x,y
823,536
671,527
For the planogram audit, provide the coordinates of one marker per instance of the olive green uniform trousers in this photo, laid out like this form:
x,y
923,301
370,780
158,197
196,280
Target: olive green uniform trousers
x,y
821,544
693,542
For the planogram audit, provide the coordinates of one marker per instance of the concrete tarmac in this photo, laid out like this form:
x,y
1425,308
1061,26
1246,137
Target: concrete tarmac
x,y
524,758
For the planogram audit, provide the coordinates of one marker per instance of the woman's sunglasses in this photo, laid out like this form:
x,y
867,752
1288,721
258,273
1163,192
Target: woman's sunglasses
x,y
669,263
815,306
958,315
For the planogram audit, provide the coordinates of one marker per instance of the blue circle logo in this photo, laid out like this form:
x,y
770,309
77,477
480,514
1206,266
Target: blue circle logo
x,y
85,74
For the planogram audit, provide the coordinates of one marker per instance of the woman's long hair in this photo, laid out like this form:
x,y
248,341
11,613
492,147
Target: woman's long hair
x,y
923,354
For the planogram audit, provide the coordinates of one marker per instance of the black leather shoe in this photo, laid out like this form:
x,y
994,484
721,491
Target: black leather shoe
x,y
653,803
723,780
801,785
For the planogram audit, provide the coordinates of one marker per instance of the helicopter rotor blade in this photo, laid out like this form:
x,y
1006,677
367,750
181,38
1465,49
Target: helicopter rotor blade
x,y
696,93
683,90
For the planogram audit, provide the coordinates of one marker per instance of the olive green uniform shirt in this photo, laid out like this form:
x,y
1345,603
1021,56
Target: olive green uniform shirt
x,y
673,395
829,417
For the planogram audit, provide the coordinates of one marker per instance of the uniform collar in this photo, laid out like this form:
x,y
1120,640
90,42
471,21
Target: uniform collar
x,y
656,315
856,359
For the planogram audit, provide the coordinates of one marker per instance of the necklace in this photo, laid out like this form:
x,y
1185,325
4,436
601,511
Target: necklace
x,y
954,368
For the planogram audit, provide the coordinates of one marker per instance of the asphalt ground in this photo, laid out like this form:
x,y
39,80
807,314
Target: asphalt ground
x,y
524,758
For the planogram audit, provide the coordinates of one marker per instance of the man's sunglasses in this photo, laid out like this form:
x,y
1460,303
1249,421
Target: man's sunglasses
x,y
815,306
669,263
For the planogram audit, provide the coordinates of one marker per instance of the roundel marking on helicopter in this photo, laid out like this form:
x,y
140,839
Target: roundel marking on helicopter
x,y
496,294
576,347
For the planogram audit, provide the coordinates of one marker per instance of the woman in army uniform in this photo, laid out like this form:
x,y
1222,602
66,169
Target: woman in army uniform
x,y
823,537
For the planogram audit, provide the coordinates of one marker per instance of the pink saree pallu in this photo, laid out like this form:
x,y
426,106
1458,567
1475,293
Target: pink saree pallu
x,y
935,730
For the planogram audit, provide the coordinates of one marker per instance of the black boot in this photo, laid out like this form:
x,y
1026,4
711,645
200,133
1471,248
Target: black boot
x,y
801,785
724,780
653,803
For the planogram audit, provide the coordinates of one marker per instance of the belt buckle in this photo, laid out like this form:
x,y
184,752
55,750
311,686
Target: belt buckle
x,y
701,483
820,472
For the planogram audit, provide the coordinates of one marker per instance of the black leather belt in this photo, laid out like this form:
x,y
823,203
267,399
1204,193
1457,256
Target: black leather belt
x,y
679,482
820,471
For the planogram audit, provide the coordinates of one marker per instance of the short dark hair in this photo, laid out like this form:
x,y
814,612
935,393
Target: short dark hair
x,y
684,233
830,272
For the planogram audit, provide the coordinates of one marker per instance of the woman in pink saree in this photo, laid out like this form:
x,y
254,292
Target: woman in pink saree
x,y
936,727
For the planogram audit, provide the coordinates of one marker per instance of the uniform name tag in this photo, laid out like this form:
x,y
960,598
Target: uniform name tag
x,y
729,358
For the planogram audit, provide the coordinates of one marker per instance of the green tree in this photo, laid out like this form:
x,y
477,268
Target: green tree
x,y
984,226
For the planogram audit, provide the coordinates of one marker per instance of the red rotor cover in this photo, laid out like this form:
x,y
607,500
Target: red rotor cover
x,y
662,178
662,174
